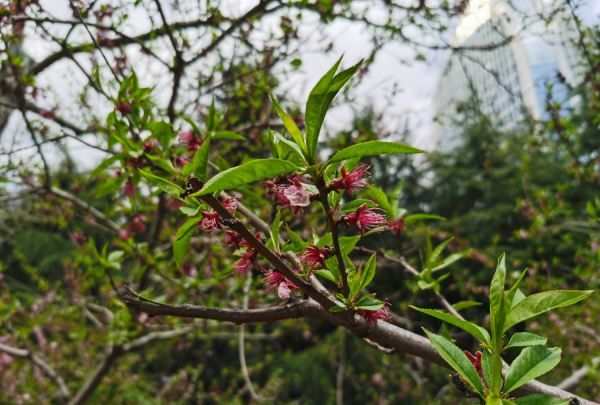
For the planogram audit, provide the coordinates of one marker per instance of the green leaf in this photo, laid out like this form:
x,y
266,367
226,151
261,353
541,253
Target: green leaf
x,y
369,303
380,197
521,339
326,274
539,399
274,230
497,300
319,100
199,164
372,148
531,363
491,372
510,295
492,399
539,303
106,163
293,148
453,258
289,124
296,240
459,306
163,184
432,258
336,308
246,173
367,274
456,359
474,330
182,239
420,217
354,204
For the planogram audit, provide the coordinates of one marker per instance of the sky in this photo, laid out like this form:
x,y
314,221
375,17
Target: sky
x,y
411,107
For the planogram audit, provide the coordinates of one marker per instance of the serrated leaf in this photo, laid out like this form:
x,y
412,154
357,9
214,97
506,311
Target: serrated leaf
x,y
165,185
522,339
531,363
372,148
474,330
319,100
260,169
539,303
456,359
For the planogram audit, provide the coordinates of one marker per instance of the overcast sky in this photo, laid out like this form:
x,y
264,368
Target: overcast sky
x,y
411,106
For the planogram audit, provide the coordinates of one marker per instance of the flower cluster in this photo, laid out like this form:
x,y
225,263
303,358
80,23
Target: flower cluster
x,y
211,220
364,219
356,178
274,280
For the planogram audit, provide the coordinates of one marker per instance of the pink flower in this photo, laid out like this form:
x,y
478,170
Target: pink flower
x,y
397,226
229,203
78,237
314,257
190,139
181,161
364,219
124,107
245,263
356,178
274,280
210,221
188,269
124,234
372,316
293,195
232,239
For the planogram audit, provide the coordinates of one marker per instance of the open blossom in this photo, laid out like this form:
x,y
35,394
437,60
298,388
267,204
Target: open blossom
x,y
210,221
232,239
245,263
292,195
276,281
150,144
191,141
137,224
355,178
372,316
229,203
364,218
129,190
314,257
397,226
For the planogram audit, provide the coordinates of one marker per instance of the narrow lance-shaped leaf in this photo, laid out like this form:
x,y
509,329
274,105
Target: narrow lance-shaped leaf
x,y
491,373
457,360
539,303
199,164
164,184
182,239
497,300
289,124
319,100
474,330
531,363
373,148
246,173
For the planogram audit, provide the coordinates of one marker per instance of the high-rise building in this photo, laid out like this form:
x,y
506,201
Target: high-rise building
x,y
505,57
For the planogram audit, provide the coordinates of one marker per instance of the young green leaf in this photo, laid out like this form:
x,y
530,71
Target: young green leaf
x,y
275,229
354,204
531,363
368,303
372,148
326,274
457,360
522,339
290,125
182,239
164,184
319,100
539,303
368,272
420,217
246,173
381,198
474,330
491,372
228,135
497,300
